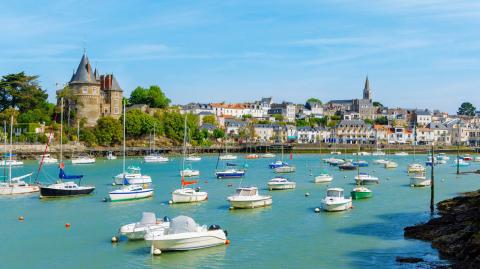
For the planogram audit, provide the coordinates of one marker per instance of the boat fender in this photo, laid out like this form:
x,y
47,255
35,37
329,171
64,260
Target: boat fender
x,y
227,242
157,252
67,225
114,239
166,219
317,210
307,194
20,218
170,202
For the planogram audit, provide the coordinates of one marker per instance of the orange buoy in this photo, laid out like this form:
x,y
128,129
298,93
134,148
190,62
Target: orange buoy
x,y
227,242
20,218
67,225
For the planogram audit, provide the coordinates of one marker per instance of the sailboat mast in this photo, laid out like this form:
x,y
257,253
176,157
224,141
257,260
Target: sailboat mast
x,y
61,130
184,142
11,146
5,149
154,125
124,137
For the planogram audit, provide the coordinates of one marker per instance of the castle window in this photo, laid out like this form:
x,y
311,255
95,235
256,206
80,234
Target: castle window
x,y
116,110
85,90
94,91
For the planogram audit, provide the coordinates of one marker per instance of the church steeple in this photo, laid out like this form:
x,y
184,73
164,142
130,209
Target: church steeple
x,y
367,93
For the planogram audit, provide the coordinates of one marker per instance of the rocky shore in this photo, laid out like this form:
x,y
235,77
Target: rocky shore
x,y
455,232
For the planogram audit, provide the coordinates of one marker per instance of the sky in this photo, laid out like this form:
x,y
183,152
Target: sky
x,y
417,54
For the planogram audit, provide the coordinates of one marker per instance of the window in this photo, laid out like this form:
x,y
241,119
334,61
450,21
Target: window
x,y
85,90
116,110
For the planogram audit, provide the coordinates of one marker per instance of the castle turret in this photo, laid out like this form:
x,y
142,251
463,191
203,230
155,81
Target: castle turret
x,y
367,93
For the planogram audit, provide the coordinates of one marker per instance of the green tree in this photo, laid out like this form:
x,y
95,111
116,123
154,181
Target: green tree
x,y
210,119
278,117
138,123
314,100
88,137
109,131
70,103
153,96
466,109
377,104
381,120
368,121
301,123
21,92
218,133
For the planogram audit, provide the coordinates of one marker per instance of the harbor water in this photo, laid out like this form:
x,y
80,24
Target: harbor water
x,y
289,234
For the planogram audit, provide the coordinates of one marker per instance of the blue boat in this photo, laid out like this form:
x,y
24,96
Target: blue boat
x,y
230,173
360,163
277,164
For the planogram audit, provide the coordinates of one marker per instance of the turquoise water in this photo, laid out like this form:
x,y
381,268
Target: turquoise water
x,y
286,235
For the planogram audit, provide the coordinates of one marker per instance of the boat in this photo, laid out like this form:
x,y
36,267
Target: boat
x,y
84,159
280,183
268,155
277,164
248,197
461,162
230,173
378,153
193,158
130,192
391,164
133,187
110,156
361,153
323,178
476,159
9,161
285,169
380,161
15,185
188,172
335,201
154,157
467,157
132,175
228,157
442,156
347,166
335,153
183,234
419,180
361,192
415,167
138,230
360,163
65,189
364,179
334,161
252,156
187,195
402,153
47,159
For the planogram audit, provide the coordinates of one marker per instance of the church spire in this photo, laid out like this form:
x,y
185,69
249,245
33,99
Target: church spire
x,y
367,92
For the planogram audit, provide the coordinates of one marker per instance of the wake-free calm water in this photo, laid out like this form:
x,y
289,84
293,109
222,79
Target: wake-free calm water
x,y
286,235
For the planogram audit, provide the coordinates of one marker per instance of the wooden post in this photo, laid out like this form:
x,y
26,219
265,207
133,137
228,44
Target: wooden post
x,y
432,185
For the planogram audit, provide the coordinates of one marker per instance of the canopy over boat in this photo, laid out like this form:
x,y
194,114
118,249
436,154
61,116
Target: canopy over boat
x,y
62,175
182,224
148,218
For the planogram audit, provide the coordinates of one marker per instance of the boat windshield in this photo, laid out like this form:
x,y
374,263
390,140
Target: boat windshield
x,y
334,193
246,192
133,169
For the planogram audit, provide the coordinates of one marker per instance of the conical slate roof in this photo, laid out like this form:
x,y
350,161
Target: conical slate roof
x,y
115,85
367,84
84,72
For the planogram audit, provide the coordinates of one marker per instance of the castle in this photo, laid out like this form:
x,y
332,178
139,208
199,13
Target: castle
x,y
96,96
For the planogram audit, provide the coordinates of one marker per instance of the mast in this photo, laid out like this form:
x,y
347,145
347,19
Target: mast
x,y
432,184
5,149
154,125
61,131
11,146
124,139
184,142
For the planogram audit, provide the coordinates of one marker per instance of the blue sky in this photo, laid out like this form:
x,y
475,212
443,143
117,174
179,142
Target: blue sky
x,y
416,53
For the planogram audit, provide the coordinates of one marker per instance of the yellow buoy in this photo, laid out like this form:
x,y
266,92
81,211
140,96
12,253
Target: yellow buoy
x,y
20,218
114,239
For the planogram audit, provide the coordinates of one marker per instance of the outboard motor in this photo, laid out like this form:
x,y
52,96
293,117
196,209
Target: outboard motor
x,y
214,227
166,219
197,189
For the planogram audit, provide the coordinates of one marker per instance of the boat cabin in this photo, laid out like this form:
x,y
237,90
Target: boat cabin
x,y
251,191
335,192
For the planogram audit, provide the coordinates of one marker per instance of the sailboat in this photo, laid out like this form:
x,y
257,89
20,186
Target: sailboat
x,y
84,158
127,191
187,172
15,185
389,163
65,188
227,156
415,167
154,157
360,192
285,168
323,177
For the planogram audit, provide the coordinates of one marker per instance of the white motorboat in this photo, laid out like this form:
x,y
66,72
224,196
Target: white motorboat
x,y
391,164
335,153
185,234
476,159
460,162
83,160
228,157
415,167
335,201
111,156
188,195
380,161
130,192
193,158
11,162
323,178
334,161
361,153
285,169
16,185
402,153
268,155
419,180
189,172
442,156
149,222
248,197
132,175
364,178
280,183
155,158
378,153
47,159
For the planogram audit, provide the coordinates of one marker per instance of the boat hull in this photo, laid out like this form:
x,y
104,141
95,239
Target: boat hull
x,y
47,192
282,186
130,195
366,181
335,207
323,179
285,169
189,198
361,194
242,204
420,182
230,175
188,241
18,190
